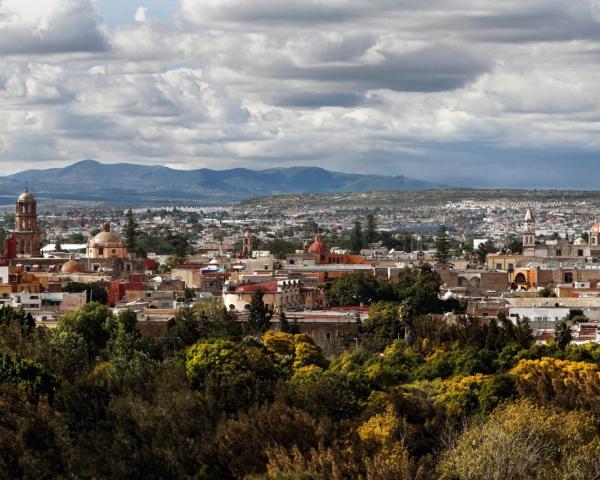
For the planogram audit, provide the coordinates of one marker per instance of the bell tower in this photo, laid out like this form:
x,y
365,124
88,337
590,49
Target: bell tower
x,y
529,234
27,234
247,244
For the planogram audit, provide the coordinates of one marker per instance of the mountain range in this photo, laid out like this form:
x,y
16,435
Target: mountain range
x,y
133,184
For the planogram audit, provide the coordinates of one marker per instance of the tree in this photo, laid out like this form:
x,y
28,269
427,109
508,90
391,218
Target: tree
x,y
522,441
189,295
259,315
95,291
371,234
383,325
442,245
559,383
174,261
130,231
354,289
547,292
234,374
57,245
93,322
483,250
356,237
514,244
562,335
284,325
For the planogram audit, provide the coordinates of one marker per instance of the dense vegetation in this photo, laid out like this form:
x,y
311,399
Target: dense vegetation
x,y
212,399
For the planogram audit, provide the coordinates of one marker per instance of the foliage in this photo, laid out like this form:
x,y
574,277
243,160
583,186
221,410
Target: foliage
x,y
371,233
356,238
259,315
354,289
236,375
562,383
130,231
562,335
522,441
466,399
442,245
95,291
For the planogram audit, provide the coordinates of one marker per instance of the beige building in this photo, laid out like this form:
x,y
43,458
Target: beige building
x,y
106,245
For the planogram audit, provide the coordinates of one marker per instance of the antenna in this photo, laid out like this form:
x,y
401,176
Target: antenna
x,y
26,186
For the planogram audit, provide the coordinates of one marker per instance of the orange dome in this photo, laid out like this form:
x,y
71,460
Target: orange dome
x,y
596,228
318,246
71,267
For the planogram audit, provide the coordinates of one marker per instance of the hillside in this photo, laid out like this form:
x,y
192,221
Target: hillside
x,y
90,180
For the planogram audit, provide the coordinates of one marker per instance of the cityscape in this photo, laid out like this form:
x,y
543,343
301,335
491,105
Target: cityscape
x,y
283,240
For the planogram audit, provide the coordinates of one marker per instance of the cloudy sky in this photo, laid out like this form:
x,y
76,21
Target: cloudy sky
x,y
470,93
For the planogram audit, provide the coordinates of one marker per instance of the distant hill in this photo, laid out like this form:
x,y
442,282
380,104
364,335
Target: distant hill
x,y
124,183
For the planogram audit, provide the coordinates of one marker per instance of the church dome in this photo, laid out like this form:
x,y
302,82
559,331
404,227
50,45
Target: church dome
x,y
71,266
106,237
318,246
25,197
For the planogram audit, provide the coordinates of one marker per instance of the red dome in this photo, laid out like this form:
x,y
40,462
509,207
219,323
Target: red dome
x,y
318,246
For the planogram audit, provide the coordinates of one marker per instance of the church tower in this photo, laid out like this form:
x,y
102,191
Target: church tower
x,y
27,234
247,244
529,234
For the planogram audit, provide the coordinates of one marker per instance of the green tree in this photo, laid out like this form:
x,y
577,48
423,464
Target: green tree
x,y
383,325
547,292
259,315
95,291
371,234
189,295
442,245
284,325
234,374
356,237
57,245
130,231
93,322
483,249
514,244
562,335
353,289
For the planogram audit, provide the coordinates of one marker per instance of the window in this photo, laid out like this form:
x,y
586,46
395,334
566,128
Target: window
x,y
498,266
580,253
558,253
568,277
100,251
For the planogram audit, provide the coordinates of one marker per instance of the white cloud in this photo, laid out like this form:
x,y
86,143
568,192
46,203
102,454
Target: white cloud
x,y
377,85
141,14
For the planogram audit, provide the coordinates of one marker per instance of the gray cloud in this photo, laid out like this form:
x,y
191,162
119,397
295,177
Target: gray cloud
x,y
476,93
427,70
319,99
71,26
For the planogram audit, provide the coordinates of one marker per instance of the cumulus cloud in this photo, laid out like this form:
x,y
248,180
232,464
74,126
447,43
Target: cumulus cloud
x,y
445,90
140,14
52,26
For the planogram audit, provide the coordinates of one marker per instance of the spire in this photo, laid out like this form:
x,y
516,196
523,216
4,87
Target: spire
x,y
529,216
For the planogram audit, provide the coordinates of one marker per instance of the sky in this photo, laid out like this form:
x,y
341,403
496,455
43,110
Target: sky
x,y
473,93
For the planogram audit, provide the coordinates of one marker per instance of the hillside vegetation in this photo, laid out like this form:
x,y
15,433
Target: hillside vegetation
x,y
215,399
